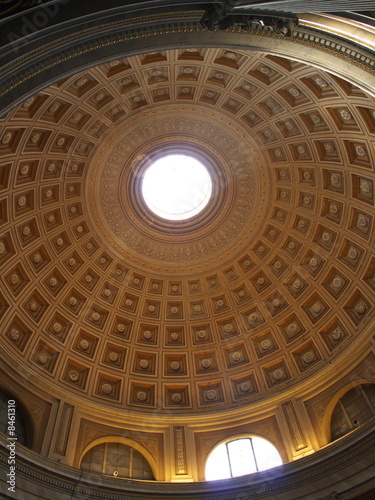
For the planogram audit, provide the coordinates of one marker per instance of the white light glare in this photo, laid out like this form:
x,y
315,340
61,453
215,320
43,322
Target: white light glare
x,y
176,187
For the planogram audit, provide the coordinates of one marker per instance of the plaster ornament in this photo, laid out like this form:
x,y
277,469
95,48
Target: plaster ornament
x,y
336,335
317,308
35,138
265,344
352,253
107,388
113,356
22,200
236,356
265,70
73,375
316,119
33,306
278,374
337,282
142,396
321,82
245,387
362,221
84,344
360,151
24,170
14,279
206,363
294,92
43,358
81,82
28,102
37,258
308,357
54,107
176,398
365,186
73,301
360,307
6,138
345,115
57,327
211,394
14,334
202,334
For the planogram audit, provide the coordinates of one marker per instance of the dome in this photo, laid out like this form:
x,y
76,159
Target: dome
x,y
250,316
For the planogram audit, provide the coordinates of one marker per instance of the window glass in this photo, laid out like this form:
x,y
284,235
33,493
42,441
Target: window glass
x,y
110,458
353,409
241,456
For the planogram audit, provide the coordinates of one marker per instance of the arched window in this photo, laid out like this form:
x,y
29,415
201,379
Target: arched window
x,y
241,456
353,409
6,404
117,459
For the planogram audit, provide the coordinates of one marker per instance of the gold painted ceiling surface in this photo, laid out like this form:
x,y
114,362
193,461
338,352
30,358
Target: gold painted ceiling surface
x,y
270,287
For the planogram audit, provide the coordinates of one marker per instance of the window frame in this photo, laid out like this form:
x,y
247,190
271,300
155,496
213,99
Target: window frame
x,y
238,437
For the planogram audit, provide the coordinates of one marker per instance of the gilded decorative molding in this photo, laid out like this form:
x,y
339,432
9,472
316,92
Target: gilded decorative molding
x,y
64,428
179,447
294,426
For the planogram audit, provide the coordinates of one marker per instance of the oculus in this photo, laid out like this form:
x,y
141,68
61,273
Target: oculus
x,y
176,187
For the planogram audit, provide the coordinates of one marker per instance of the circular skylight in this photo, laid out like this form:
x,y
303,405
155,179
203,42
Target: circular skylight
x,y
176,187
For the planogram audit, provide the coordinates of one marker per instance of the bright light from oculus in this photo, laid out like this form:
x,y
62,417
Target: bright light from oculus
x,y
176,187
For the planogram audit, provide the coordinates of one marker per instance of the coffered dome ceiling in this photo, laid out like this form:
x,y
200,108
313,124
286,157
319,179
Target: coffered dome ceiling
x,y
268,289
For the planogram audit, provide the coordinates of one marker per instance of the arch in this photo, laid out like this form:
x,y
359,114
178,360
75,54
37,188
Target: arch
x,y
225,460
326,423
128,442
